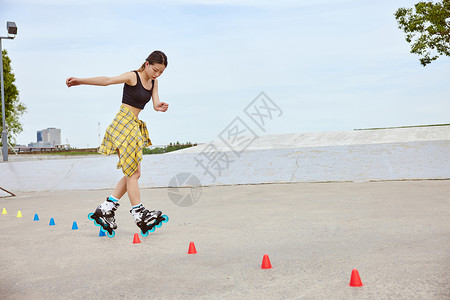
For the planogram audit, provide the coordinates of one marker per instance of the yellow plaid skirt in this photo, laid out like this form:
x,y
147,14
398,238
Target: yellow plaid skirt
x,y
129,135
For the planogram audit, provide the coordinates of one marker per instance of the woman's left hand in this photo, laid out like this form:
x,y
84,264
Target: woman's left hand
x,y
161,106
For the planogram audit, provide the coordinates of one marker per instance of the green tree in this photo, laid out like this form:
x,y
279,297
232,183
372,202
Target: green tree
x,y
427,28
13,107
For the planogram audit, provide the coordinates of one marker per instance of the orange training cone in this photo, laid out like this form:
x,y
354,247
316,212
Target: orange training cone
x,y
192,249
136,239
266,262
355,280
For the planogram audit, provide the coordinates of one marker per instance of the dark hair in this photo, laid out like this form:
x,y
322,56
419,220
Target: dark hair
x,y
156,57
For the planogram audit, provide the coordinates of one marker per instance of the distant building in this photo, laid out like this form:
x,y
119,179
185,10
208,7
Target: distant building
x,y
46,138
41,145
39,136
50,136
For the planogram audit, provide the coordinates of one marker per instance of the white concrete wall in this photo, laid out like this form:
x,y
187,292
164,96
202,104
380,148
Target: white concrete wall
x,y
426,159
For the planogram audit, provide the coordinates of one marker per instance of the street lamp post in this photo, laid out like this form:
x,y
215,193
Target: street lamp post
x,y
12,31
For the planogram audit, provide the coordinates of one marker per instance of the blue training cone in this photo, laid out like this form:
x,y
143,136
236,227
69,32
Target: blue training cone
x,y
74,226
36,217
52,222
101,233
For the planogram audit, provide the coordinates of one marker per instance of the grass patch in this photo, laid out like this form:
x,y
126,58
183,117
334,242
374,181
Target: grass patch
x,y
172,147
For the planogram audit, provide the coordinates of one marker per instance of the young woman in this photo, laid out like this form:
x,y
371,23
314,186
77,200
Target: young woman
x,y
128,136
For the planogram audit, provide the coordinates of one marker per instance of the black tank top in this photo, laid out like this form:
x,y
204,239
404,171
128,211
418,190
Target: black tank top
x,y
136,95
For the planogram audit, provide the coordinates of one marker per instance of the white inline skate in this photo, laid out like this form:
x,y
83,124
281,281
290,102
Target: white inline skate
x,y
104,217
147,220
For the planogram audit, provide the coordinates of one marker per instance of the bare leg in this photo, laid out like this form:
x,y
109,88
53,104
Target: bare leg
x,y
129,185
121,187
132,187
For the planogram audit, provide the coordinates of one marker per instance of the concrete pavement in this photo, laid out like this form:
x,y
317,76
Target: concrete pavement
x,y
396,234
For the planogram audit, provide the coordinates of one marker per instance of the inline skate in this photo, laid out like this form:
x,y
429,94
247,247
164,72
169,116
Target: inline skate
x,y
104,217
147,220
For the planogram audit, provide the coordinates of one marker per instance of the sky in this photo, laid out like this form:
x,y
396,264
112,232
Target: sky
x,y
329,65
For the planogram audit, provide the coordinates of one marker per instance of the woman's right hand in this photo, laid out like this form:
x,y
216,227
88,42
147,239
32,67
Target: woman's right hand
x,y
72,81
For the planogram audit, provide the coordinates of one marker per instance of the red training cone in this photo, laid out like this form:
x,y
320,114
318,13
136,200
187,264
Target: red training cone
x,y
266,262
355,280
136,239
192,249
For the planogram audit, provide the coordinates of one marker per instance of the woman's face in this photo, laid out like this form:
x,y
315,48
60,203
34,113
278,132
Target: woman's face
x,y
155,70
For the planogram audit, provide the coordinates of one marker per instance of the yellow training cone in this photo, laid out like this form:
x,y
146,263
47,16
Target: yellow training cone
x,y
4,211
19,214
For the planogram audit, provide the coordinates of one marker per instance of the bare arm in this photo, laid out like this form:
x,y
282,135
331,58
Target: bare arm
x,y
102,80
158,105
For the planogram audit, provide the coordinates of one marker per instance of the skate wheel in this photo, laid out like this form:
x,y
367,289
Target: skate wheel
x,y
166,219
158,225
90,216
110,235
96,223
144,234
